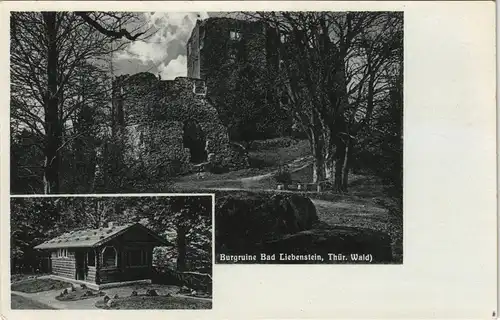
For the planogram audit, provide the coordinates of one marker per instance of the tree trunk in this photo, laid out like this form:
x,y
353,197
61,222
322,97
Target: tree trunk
x,y
330,161
346,164
319,163
339,165
181,248
52,120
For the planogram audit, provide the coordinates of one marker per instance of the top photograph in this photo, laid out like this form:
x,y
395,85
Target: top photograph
x,y
126,102
294,120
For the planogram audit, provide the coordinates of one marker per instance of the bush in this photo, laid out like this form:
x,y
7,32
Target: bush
x,y
216,169
283,175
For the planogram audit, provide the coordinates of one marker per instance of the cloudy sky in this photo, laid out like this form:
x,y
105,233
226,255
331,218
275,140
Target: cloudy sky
x,y
165,52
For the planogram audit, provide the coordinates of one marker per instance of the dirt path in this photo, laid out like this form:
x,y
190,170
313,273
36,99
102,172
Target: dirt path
x,y
256,181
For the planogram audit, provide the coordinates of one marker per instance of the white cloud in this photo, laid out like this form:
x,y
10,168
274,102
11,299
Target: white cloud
x,y
175,68
171,27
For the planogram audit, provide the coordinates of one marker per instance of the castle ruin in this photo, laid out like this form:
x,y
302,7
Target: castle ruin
x,y
171,126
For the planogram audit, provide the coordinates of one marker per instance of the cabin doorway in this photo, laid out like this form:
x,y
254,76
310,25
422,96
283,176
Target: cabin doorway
x,y
81,266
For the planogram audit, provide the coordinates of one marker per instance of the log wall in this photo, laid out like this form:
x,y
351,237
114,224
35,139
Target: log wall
x,y
64,267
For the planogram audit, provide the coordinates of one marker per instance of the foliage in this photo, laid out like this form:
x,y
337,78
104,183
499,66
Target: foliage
x,y
334,69
59,95
283,175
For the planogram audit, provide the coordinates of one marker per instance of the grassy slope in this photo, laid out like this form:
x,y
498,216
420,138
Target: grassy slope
x,y
18,302
263,161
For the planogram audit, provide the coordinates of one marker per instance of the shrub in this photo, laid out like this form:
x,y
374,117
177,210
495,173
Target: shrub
x,y
216,169
283,175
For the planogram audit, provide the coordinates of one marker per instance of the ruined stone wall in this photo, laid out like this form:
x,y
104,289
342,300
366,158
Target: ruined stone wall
x,y
213,45
154,113
185,99
193,52
238,72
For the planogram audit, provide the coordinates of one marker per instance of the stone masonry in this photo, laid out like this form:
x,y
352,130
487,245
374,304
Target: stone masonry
x,y
154,115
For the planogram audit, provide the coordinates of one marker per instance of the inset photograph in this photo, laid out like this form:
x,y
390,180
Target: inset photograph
x,y
111,252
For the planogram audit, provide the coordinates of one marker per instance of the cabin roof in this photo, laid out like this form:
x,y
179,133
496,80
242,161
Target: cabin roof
x,y
94,237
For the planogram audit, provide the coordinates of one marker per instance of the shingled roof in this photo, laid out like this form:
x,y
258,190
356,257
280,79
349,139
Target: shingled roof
x,y
93,237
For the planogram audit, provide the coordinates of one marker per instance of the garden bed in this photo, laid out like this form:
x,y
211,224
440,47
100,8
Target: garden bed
x,y
79,294
38,285
21,303
155,302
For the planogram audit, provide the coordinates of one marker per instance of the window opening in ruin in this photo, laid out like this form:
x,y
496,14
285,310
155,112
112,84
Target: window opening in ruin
x,y
199,87
194,139
284,38
235,35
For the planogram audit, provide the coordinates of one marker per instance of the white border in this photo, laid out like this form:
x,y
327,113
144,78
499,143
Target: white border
x,y
450,250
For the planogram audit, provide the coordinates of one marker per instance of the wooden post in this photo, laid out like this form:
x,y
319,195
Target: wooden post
x,y
97,265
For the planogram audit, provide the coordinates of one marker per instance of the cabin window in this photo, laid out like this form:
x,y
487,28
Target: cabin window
x,y
137,257
235,35
62,253
91,258
109,257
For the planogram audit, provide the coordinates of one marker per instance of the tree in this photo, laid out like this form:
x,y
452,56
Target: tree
x,y
49,51
325,60
377,62
191,219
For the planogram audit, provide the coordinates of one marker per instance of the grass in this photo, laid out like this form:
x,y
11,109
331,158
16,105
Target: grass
x,y
38,285
272,158
18,302
158,302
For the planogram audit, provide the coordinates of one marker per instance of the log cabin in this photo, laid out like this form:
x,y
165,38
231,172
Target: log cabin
x,y
104,257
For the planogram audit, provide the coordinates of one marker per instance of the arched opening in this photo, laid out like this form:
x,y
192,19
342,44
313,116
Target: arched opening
x,y
194,139
109,257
